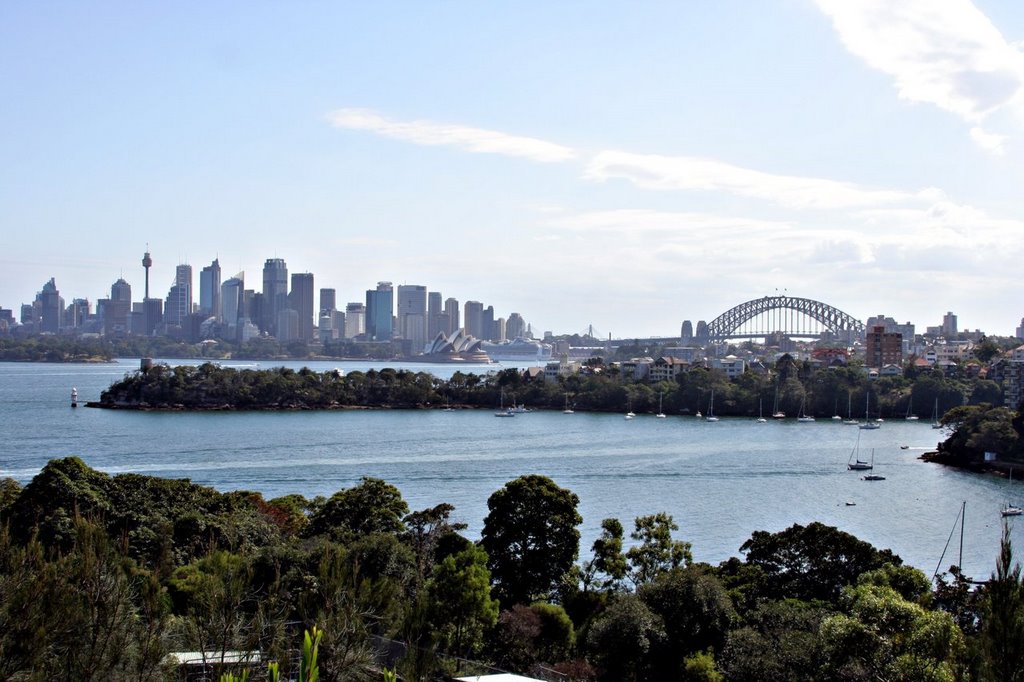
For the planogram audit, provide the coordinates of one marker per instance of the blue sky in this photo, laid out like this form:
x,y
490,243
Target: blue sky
x,y
621,165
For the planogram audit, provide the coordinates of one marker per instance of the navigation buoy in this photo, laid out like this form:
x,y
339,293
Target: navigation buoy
x,y
74,397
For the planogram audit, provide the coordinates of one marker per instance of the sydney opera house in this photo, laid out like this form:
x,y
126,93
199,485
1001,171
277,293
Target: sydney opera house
x,y
459,347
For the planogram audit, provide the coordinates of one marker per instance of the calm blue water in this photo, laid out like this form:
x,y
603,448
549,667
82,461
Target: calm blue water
x,y
721,481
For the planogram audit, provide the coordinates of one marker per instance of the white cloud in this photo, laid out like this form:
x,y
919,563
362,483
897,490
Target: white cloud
x,y
470,139
680,224
650,171
991,142
941,52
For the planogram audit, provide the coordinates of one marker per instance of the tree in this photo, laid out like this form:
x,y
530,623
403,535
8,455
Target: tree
x,y
695,608
373,506
426,529
460,603
621,639
779,642
1002,623
609,560
657,551
531,538
986,349
882,636
813,561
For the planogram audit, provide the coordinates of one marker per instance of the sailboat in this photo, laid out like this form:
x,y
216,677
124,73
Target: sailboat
x,y
760,416
936,424
868,424
855,463
503,411
911,417
568,410
835,411
801,416
711,409
660,415
776,412
1011,509
849,411
629,409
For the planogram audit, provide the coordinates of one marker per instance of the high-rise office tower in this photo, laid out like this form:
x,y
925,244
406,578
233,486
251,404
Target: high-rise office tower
x,y
328,301
77,313
209,290
51,308
121,291
515,327
301,301
473,314
412,314
434,314
355,320
275,293
487,324
451,311
232,296
117,309
379,312
178,306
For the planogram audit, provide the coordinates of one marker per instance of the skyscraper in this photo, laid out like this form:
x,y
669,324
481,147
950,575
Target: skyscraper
x,y
355,320
949,326
412,314
178,306
232,293
275,293
121,291
473,318
328,301
451,311
51,308
435,314
515,327
117,309
379,312
487,324
209,290
301,301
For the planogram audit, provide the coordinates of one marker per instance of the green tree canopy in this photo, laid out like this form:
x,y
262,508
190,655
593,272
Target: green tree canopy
x,y
373,506
657,551
460,600
813,561
531,538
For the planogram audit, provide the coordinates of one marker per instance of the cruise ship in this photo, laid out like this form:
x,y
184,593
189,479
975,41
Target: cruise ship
x,y
518,350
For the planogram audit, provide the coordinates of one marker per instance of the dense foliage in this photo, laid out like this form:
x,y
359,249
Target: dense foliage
x,y
101,576
824,392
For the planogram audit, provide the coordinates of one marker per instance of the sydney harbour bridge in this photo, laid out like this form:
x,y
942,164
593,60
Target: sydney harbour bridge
x,y
780,315
774,316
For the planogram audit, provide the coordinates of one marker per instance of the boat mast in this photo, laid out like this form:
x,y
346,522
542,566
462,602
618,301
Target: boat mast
x,y
959,517
963,519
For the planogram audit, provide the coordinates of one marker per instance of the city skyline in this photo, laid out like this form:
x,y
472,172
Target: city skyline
x,y
401,312
621,166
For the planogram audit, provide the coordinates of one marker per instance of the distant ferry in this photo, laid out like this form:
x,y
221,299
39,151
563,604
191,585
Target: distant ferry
x,y
518,350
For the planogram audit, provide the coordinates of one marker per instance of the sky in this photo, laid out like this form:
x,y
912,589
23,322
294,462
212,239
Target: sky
x,y
620,166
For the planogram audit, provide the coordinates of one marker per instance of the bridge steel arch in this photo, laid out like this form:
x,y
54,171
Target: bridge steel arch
x,y
832,319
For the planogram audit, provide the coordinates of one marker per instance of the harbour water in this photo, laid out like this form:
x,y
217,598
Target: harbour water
x,y
720,481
